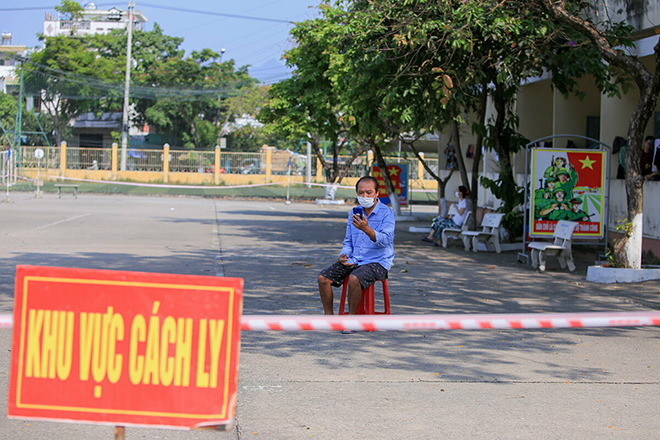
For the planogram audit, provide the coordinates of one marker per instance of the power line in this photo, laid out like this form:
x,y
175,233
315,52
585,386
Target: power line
x,y
242,37
219,14
31,8
96,89
170,8
220,19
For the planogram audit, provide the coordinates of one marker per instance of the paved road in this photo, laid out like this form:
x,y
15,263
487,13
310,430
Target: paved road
x,y
516,384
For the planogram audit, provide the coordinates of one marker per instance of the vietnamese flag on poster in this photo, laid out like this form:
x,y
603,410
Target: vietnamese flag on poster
x,y
589,166
399,177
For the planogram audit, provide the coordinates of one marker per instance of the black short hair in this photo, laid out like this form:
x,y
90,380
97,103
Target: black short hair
x,y
649,138
373,180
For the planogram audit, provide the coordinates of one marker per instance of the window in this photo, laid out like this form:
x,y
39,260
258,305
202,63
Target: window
x,y
593,130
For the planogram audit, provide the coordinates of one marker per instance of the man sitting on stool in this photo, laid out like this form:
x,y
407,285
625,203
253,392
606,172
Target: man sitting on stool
x,y
367,251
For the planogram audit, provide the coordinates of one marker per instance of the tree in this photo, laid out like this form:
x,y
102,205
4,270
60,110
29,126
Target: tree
x,y
201,86
306,106
70,8
605,37
7,118
424,65
149,48
419,66
250,136
36,129
68,75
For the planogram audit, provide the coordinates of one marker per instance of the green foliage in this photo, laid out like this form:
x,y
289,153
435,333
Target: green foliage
x,y
7,118
308,101
624,227
250,138
31,124
149,49
309,105
60,73
186,98
512,197
614,254
249,101
70,8
196,122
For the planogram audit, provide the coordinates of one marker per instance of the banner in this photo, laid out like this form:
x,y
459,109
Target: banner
x,y
124,348
399,177
568,185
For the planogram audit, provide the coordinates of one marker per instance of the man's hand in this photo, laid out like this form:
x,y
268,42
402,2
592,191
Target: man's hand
x,y
343,259
361,223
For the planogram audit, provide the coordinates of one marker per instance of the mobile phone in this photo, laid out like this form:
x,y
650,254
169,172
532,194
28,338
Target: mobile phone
x,y
359,211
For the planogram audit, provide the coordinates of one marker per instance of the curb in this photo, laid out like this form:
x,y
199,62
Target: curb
x,y
607,275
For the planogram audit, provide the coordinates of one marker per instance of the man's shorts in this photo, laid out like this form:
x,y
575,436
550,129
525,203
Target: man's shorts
x,y
367,274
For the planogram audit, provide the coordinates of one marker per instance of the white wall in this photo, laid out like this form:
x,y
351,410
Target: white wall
x,y
618,209
570,114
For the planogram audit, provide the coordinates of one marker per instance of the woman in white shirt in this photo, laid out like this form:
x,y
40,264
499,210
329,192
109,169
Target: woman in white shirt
x,y
440,223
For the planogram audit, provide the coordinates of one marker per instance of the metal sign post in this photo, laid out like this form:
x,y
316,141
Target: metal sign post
x,y
39,154
529,193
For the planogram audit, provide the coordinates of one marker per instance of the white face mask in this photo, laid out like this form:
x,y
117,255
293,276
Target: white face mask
x,y
457,194
366,202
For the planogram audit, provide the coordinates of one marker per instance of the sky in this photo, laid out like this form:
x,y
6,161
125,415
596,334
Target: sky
x,y
258,42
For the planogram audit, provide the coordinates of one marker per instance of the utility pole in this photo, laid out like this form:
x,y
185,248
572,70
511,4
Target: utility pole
x,y
18,128
127,84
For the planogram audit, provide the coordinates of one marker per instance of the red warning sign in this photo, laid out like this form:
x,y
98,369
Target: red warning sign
x,y
124,348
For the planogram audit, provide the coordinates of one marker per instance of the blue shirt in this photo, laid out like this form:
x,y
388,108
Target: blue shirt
x,y
359,248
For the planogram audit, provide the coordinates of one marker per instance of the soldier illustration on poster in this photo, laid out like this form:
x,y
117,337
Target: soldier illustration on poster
x,y
399,177
568,185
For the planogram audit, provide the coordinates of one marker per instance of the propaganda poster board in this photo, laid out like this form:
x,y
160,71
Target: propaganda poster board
x,y
399,176
568,185
125,348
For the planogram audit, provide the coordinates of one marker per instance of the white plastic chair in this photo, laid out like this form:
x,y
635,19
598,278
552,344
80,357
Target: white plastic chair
x,y
561,247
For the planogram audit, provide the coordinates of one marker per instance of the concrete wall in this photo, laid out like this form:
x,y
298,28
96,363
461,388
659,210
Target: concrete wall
x,y
618,209
570,113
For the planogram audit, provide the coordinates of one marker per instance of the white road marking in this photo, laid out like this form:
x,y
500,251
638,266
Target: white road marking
x,y
63,221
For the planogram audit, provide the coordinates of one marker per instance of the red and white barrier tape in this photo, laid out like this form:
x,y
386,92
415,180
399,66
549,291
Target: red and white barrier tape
x,y
326,185
6,321
448,322
436,322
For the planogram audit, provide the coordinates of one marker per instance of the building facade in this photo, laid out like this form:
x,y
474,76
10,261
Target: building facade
x,y
92,21
543,111
8,62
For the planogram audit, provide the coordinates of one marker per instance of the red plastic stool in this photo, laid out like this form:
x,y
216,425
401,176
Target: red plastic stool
x,y
368,303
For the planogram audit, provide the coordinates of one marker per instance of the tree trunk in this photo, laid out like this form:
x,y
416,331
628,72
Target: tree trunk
x,y
456,137
631,243
394,198
442,183
476,160
505,167
628,252
193,131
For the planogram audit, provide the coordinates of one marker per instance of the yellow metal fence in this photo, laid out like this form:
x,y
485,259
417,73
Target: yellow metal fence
x,y
200,167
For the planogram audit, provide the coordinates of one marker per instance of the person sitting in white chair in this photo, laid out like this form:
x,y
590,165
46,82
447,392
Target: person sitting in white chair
x,y
439,223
